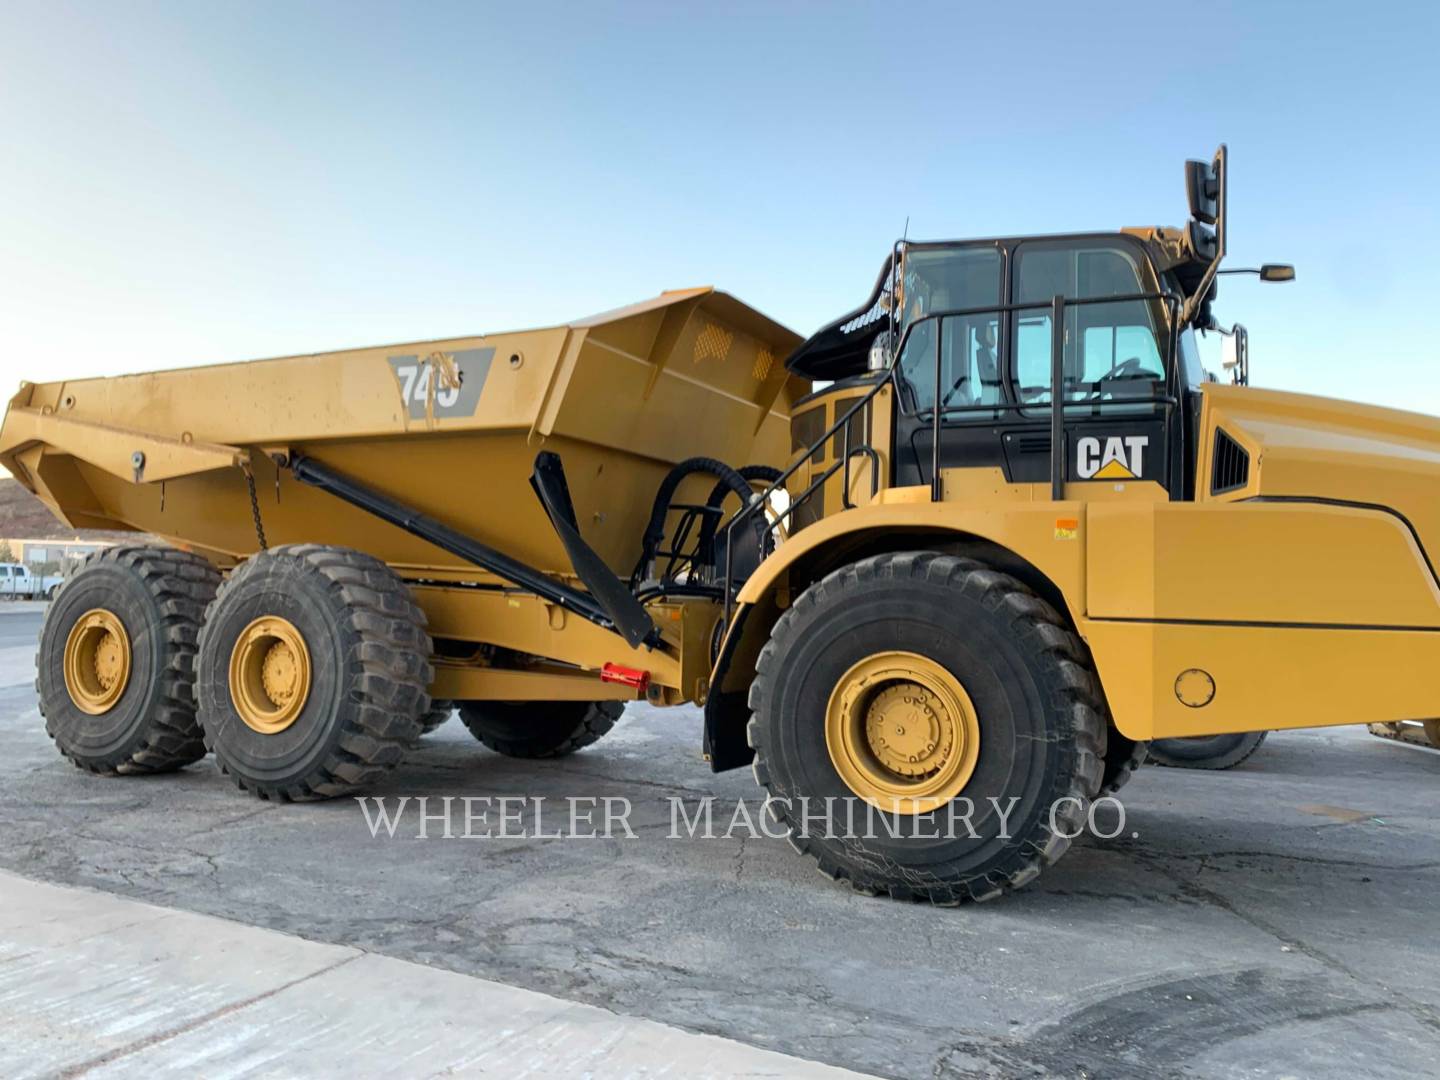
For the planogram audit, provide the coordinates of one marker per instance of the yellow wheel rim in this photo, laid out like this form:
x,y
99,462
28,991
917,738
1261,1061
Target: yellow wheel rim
x,y
902,733
97,661
269,674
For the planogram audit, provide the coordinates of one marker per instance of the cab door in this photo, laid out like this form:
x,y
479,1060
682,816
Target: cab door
x,y
950,362
1116,377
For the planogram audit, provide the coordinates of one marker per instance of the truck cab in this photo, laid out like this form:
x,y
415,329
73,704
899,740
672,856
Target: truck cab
x,y
17,582
962,345
963,368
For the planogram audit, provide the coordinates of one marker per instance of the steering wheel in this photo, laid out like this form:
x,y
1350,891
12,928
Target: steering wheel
x,y
1132,368
955,389
1126,369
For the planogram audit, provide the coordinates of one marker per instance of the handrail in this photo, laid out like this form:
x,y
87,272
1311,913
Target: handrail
x,y
1058,407
763,498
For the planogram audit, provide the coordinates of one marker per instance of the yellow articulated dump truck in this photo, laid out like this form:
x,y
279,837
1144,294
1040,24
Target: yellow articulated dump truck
x,y
956,558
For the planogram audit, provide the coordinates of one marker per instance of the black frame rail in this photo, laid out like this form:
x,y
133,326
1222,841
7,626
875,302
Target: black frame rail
x,y
1058,455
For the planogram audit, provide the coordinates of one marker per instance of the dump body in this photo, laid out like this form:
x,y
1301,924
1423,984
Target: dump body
x,y
452,427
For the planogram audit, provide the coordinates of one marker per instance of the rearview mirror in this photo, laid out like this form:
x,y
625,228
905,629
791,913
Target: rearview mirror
x,y
1203,241
1202,186
1235,354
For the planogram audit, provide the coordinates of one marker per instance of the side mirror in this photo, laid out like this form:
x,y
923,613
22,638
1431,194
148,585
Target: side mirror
x,y
1277,272
1202,186
1203,241
1205,185
1235,355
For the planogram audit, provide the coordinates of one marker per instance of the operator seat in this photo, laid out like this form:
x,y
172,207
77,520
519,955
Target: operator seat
x,y
986,365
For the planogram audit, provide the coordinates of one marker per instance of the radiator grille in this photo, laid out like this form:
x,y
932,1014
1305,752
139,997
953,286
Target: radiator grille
x,y
1230,470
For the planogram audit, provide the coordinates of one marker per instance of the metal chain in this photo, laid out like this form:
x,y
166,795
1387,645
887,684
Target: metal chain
x,y
255,509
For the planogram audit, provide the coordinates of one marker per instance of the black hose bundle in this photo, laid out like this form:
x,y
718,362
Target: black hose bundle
x,y
765,474
730,481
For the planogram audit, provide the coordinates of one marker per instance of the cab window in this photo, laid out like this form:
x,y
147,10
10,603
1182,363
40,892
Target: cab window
x,y
1112,350
951,279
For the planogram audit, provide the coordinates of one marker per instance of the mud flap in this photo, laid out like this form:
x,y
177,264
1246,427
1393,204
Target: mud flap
x,y
727,712
627,613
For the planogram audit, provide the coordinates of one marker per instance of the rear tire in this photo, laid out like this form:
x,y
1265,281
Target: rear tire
x,y
1207,752
439,712
1036,702
349,717
539,729
1123,756
157,596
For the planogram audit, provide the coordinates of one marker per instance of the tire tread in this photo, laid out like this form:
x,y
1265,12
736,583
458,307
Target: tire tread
x,y
182,584
387,650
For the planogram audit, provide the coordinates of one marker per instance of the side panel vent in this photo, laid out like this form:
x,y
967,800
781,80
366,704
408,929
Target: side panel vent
x,y
805,428
1230,470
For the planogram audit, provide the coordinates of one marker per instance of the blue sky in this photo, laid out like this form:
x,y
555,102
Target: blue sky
x,y
199,182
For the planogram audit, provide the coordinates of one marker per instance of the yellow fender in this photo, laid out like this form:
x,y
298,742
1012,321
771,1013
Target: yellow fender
x,y
1036,543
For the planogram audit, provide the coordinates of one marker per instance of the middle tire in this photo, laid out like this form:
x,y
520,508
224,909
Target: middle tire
x,y
312,672
539,729
1206,751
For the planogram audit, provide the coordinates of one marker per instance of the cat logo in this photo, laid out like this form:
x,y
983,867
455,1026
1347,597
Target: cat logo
x,y
1120,457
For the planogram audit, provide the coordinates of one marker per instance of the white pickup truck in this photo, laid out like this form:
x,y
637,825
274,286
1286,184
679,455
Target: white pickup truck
x,y
18,583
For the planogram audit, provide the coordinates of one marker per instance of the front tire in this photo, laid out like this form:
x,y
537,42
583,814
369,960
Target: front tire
x,y
975,639
312,672
539,729
115,664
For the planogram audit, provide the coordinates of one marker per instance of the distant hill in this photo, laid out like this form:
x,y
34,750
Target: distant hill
x,y
24,517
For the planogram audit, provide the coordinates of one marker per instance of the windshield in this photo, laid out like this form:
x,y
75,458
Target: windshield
x,y
1113,351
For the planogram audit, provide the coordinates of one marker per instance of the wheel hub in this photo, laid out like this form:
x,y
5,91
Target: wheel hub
x,y
97,661
902,733
279,673
269,674
909,731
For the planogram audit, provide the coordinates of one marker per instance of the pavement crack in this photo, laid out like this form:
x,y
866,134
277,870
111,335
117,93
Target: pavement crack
x,y
1311,860
225,822
200,1021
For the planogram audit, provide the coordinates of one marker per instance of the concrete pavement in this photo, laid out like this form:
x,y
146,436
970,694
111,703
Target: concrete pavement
x,y
97,986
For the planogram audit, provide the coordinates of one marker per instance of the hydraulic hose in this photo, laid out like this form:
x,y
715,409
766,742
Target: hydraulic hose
x,y
730,480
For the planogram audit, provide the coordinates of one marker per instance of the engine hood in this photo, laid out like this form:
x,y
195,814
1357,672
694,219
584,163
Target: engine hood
x,y
1304,447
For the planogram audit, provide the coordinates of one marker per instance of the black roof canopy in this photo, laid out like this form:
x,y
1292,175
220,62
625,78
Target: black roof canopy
x,y
841,348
